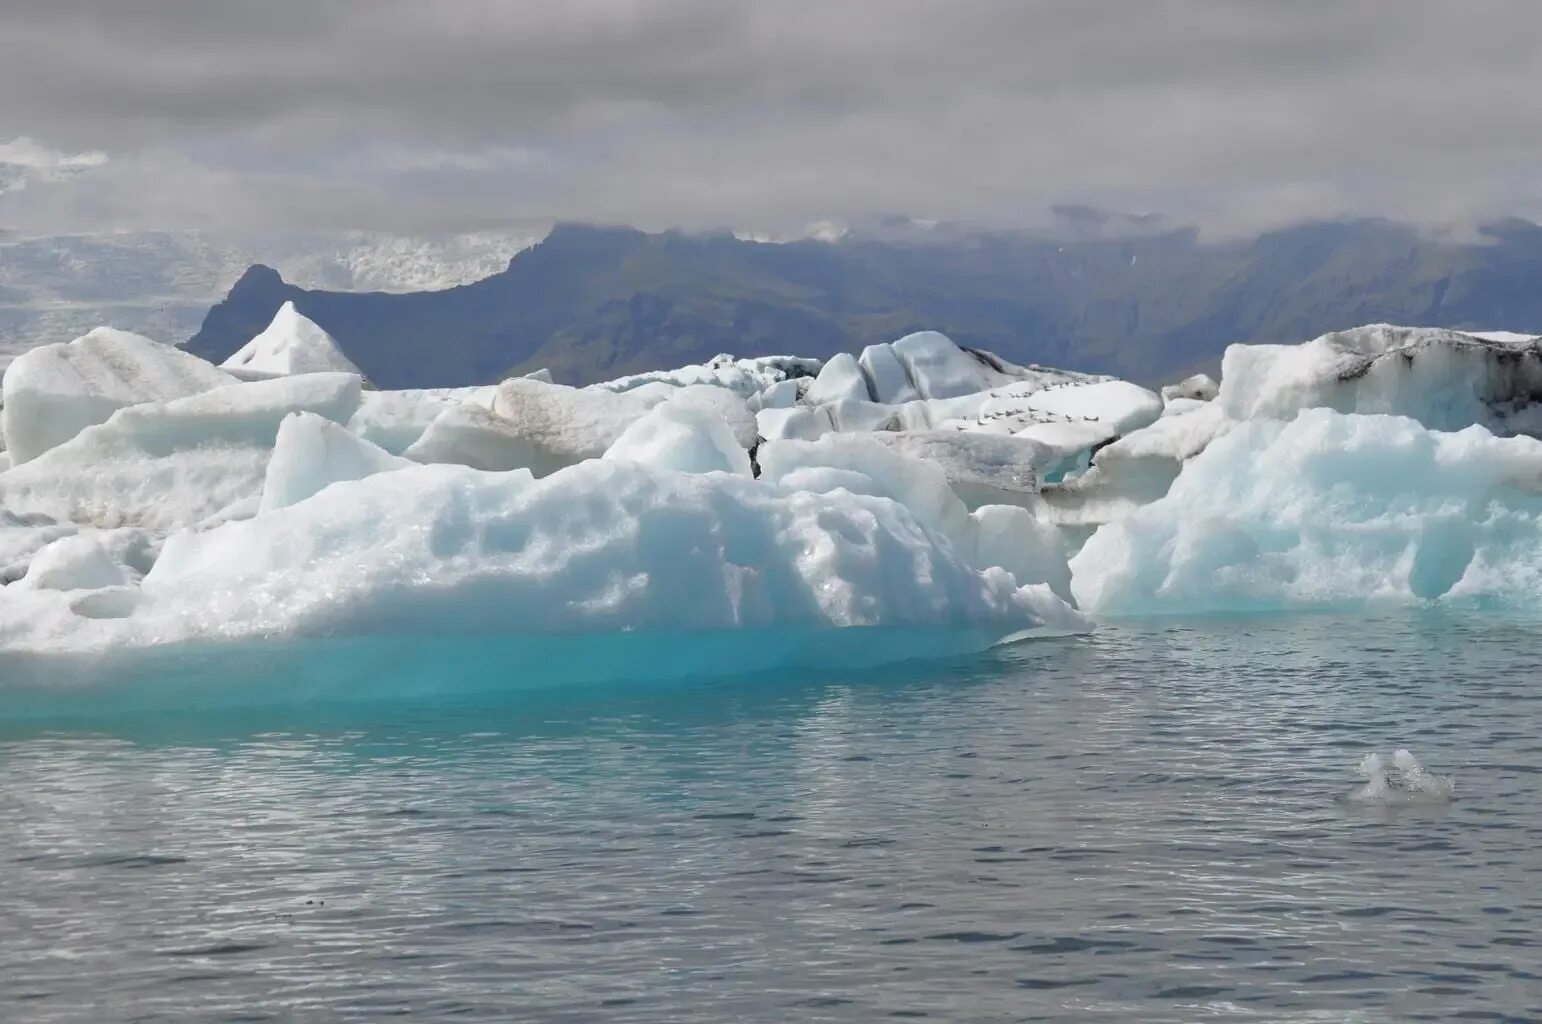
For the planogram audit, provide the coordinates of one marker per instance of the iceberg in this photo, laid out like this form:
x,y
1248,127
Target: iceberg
x,y
745,377
1136,469
841,378
1201,387
918,489
727,405
529,425
166,465
682,437
887,377
53,392
292,343
1329,510
863,465
600,547
395,420
982,469
1444,379
311,453
77,562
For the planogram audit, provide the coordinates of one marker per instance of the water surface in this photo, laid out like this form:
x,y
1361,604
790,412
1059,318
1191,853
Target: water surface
x,y
1143,825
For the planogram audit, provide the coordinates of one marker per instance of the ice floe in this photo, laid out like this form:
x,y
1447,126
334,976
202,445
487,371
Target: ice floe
x,y
152,498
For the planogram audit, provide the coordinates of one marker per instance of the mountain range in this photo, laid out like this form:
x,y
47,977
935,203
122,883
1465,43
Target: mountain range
x,y
594,302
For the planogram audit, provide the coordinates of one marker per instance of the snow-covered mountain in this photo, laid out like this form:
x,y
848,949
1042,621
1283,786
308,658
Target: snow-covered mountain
x,y
160,284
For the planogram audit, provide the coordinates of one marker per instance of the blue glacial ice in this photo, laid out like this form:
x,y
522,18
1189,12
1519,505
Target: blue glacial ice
x,y
923,498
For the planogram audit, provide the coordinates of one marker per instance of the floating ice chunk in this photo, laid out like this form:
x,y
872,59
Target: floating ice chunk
x,y
653,392
725,404
1444,379
311,453
74,563
1415,785
937,368
919,485
982,469
781,395
161,466
1200,387
470,435
395,420
840,379
1329,510
1417,780
21,537
887,377
53,392
743,376
799,424
292,343
853,416
1373,769
604,546
543,375
531,425
683,437
1031,550
1137,469
1179,406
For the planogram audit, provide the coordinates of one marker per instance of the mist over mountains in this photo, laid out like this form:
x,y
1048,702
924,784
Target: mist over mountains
x,y
1125,295
162,283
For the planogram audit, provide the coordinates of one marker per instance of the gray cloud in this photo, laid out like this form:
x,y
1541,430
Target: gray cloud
x,y
408,115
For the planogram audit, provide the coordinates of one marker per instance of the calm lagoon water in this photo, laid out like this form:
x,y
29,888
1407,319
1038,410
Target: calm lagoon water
x,y
1143,825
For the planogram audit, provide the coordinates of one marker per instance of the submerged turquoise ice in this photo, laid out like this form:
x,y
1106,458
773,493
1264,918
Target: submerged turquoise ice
x,y
1144,824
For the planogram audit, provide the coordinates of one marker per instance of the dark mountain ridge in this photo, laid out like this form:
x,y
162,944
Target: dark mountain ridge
x,y
596,302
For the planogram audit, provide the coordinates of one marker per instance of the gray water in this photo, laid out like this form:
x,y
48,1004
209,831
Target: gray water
x,y
1143,825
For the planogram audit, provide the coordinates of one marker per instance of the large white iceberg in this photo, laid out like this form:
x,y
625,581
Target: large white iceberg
x,y
918,487
1444,379
1329,510
53,392
605,546
292,343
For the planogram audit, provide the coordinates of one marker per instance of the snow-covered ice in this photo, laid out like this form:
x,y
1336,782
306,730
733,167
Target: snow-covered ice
x,y
53,392
166,465
292,343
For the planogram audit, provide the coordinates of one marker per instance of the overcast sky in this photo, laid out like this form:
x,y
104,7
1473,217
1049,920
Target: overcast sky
x,y
423,115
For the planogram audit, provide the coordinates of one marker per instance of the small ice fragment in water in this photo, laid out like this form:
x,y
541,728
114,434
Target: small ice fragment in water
x,y
1417,780
1415,784
1374,769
